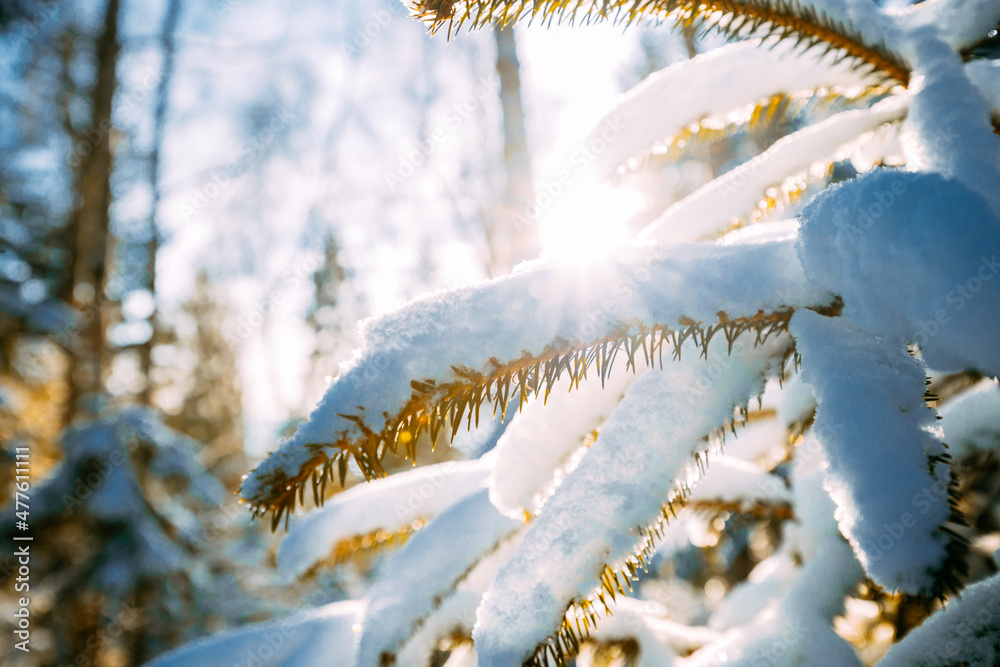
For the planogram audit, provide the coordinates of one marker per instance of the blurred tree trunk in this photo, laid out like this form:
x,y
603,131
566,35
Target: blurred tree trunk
x,y
88,226
509,243
159,124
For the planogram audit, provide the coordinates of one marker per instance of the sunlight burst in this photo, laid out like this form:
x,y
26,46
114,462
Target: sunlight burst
x,y
589,224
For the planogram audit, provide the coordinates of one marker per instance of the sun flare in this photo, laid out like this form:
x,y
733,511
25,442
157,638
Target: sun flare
x,y
587,225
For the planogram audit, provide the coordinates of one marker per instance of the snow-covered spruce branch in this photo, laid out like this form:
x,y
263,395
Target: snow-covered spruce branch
x,y
687,92
880,281
712,208
425,366
804,21
565,551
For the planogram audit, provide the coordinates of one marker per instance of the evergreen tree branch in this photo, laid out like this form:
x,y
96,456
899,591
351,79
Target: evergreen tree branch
x,y
736,19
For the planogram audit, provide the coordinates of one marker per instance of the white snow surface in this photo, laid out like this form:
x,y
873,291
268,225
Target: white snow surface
x,y
458,610
712,207
948,129
307,638
971,421
861,17
814,522
866,241
386,504
915,256
532,453
959,23
687,92
730,479
426,569
797,630
621,482
642,284
966,632
986,75
877,432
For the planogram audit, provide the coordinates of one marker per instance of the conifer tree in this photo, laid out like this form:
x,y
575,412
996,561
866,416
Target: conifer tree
x,y
760,355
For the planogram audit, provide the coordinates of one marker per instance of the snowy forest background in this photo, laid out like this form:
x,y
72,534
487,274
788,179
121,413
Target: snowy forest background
x,y
199,201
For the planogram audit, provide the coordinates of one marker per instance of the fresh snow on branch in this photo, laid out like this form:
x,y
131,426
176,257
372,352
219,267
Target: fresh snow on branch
x,y
642,286
967,632
535,450
687,92
307,638
872,418
641,457
712,208
385,504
